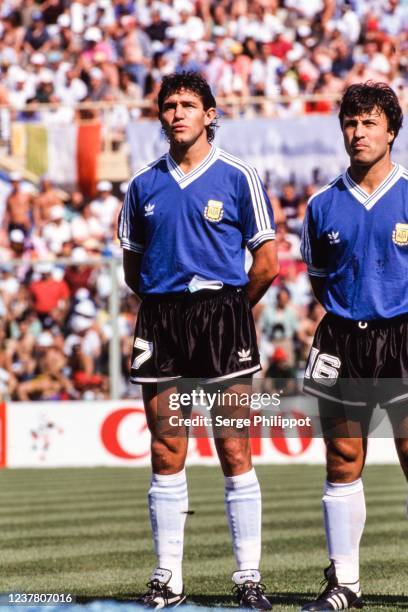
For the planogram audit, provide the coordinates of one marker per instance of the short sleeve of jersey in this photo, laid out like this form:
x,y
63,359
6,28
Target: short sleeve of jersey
x,y
130,229
257,219
312,248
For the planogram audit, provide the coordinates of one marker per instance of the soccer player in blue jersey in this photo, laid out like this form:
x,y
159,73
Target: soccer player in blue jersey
x,y
184,227
355,242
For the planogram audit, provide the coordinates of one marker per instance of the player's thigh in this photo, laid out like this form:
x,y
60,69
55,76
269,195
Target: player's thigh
x,y
164,418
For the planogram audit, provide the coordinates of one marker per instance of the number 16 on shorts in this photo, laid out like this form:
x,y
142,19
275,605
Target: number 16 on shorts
x,y
323,368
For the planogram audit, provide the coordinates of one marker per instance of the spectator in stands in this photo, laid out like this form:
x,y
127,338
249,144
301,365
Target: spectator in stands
x,y
187,62
71,89
294,277
17,243
57,231
49,381
279,324
18,89
288,244
98,89
87,224
37,37
105,208
47,293
66,36
280,375
158,26
134,47
44,92
46,199
13,31
18,206
82,323
289,200
78,275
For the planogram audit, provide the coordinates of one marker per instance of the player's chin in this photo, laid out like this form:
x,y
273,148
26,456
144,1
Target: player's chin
x,y
362,158
181,139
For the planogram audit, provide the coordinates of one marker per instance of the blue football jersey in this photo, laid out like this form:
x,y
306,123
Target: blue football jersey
x,y
196,224
359,243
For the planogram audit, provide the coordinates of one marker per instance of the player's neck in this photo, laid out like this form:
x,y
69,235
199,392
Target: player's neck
x,y
371,177
188,158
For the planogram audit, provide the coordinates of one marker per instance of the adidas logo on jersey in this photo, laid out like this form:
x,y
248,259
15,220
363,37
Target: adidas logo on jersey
x,y
244,355
149,209
333,237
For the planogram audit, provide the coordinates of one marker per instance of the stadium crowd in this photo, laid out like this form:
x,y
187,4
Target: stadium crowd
x,y
119,50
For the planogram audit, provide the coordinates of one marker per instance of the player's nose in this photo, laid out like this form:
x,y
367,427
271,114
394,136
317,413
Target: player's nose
x,y
359,130
179,111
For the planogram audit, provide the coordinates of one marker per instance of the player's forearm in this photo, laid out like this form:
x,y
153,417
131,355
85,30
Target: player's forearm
x,y
131,267
317,287
259,282
264,269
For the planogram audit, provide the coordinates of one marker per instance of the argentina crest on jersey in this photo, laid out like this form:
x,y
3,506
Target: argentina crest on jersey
x,y
400,234
214,211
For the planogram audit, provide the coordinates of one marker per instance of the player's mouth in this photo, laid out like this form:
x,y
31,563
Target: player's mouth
x,y
179,128
359,147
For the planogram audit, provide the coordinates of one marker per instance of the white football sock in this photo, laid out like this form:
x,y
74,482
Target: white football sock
x,y
168,506
344,519
243,508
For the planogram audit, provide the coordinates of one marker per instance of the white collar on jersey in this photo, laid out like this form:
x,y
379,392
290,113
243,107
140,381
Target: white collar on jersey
x,y
368,200
186,179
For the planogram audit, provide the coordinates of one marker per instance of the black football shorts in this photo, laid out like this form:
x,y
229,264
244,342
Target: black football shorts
x,y
359,363
208,335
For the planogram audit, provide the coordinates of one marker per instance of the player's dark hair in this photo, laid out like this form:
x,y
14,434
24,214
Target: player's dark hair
x,y
191,81
362,98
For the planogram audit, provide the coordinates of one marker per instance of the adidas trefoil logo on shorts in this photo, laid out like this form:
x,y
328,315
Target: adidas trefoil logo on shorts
x,y
333,237
149,209
244,355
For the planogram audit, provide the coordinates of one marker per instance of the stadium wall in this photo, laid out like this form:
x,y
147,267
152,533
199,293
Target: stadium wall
x,y
309,148
114,433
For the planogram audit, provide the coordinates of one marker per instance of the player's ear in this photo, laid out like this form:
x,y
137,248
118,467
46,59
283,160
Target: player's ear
x,y
210,115
391,136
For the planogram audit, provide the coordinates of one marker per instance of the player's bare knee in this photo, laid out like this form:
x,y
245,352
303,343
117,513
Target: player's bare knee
x,y
168,454
345,460
234,455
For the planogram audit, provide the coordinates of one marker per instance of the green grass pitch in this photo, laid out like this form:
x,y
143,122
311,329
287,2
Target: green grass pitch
x,y
86,532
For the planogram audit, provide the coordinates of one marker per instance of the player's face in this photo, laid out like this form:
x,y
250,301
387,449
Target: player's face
x,y
367,137
184,119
